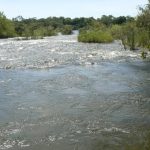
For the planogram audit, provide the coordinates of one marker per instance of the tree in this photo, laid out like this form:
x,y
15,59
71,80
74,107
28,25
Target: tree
x,y
143,19
6,27
120,20
107,20
143,22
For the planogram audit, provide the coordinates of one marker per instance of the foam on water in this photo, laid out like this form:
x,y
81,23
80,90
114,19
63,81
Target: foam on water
x,y
52,138
114,129
7,144
12,131
10,144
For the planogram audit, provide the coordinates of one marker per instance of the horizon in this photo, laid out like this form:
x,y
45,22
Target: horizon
x,y
65,8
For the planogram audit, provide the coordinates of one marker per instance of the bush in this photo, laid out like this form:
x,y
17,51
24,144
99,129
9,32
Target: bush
x,y
95,37
51,33
127,33
143,38
6,27
67,30
116,32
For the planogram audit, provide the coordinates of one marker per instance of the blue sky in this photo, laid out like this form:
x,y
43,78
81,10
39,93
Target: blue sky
x,y
70,8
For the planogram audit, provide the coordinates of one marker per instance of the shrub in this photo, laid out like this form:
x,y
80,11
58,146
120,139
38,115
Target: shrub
x,y
143,39
127,33
95,37
67,30
116,31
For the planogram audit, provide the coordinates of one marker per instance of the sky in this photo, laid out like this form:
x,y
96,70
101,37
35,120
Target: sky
x,y
70,8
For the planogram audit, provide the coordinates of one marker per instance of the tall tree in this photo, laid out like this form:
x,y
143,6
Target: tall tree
x,y
6,27
143,20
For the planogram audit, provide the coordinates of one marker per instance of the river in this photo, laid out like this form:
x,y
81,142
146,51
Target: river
x,y
58,94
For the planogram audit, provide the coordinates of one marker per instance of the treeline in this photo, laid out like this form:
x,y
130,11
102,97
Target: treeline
x,y
33,27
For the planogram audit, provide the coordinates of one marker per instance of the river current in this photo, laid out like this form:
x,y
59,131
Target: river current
x,y
59,94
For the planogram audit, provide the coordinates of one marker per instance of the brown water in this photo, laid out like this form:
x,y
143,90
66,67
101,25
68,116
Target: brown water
x,y
59,94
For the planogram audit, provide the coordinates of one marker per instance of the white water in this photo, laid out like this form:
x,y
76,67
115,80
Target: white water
x,y
60,50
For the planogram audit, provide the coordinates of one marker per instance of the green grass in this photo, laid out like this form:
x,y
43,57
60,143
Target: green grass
x,y
95,37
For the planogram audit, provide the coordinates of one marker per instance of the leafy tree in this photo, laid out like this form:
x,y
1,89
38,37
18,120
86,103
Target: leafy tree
x,y
6,27
120,20
130,19
143,19
143,22
107,20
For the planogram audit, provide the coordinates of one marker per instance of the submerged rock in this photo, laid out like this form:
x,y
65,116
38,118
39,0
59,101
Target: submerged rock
x,y
8,67
144,55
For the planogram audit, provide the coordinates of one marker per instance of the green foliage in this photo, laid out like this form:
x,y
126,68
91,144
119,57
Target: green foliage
x,y
143,19
116,31
51,32
143,23
6,27
130,31
67,30
95,25
33,28
78,23
38,33
107,20
108,28
111,20
143,54
143,38
95,37
120,20
95,32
